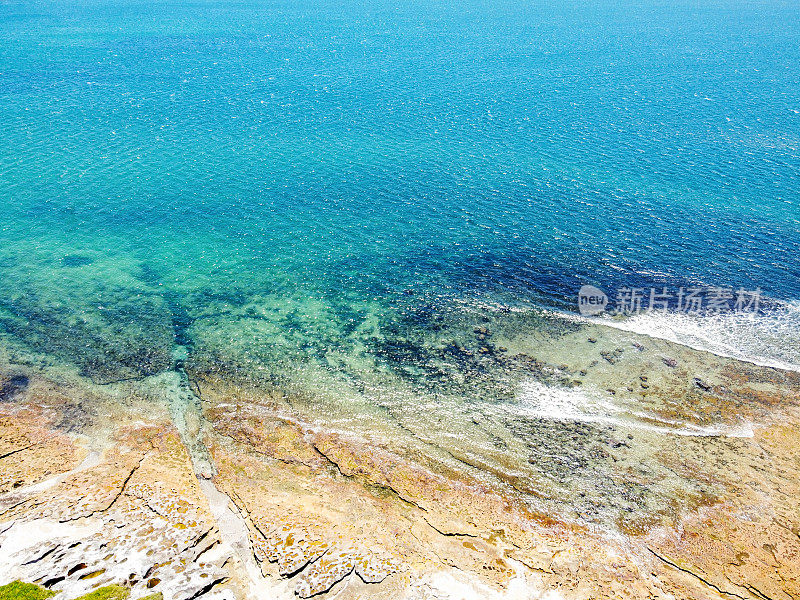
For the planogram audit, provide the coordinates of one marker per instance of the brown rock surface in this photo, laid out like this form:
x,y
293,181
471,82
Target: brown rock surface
x,y
687,492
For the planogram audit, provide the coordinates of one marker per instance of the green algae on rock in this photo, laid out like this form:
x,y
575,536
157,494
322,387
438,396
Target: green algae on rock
x,y
109,592
18,590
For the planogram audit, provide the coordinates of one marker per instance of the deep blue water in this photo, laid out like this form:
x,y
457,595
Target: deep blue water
x,y
328,161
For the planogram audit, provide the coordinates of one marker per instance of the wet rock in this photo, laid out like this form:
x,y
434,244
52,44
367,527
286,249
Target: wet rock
x,y
75,416
78,567
358,495
702,384
12,386
31,453
612,357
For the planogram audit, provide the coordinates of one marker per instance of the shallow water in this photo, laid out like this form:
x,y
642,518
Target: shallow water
x,y
198,159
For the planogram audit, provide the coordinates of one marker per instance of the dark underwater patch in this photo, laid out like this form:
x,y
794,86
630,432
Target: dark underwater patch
x,y
126,338
12,387
148,275
180,319
75,260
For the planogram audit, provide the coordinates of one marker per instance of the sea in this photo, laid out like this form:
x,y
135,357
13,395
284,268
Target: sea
x,y
328,195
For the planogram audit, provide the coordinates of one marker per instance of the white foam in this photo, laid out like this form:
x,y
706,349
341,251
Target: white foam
x,y
593,406
770,340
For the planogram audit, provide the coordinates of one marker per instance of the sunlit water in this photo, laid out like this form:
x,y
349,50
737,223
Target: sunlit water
x,y
332,196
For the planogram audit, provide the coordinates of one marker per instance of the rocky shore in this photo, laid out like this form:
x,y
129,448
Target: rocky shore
x,y
680,481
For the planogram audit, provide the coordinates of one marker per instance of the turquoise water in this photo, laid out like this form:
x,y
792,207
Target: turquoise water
x,y
338,192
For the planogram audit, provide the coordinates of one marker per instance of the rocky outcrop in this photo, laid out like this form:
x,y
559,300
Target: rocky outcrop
x,y
193,484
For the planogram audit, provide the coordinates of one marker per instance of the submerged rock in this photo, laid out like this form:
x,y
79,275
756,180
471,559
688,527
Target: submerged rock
x,y
702,384
75,260
11,386
383,494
